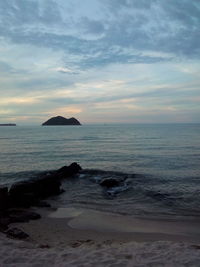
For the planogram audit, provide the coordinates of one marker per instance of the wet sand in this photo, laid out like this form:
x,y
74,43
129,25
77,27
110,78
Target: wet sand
x,y
66,225
80,237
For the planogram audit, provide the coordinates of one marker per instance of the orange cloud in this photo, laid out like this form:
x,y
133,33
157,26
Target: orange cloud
x,y
71,110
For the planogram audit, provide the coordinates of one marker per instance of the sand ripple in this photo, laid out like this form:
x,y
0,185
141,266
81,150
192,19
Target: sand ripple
x,y
161,253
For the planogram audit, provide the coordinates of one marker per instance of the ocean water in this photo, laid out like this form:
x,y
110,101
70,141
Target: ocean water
x,y
158,164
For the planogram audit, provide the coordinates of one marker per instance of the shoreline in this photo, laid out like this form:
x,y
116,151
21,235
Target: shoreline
x,y
64,235
65,225
61,242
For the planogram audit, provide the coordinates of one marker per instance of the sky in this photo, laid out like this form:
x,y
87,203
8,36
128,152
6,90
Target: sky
x,y
101,61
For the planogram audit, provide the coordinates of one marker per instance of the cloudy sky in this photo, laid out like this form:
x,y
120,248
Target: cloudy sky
x,y
100,60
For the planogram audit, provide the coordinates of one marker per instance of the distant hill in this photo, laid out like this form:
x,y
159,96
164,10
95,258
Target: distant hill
x,y
7,124
59,120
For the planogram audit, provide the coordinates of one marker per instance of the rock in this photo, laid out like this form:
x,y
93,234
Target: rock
x,y
28,193
109,182
3,197
26,200
59,120
70,170
42,204
23,193
48,186
17,215
16,233
4,222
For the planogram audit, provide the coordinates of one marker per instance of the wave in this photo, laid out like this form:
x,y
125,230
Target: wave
x,y
169,196
125,192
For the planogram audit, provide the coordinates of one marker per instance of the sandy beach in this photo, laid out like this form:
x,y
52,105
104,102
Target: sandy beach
x,y
77,237
63,225
99,133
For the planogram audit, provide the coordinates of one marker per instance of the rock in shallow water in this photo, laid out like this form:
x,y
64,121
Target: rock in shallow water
x,y
110,182
28,193
70,170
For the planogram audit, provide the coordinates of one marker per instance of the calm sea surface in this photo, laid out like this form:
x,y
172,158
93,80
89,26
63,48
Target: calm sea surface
x,y
164,157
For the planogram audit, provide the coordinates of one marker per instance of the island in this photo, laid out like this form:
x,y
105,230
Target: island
x,y
7,124
59,120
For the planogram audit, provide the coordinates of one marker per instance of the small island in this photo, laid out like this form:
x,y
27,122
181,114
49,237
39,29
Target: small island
x,y
59,120
7,124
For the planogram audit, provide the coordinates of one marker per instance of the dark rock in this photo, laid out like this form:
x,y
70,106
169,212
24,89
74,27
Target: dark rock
x,y
4,222
42,204
70,170
59,120
25,200
17,215
48,186
23,193
29,192
110,182
16,233
3,197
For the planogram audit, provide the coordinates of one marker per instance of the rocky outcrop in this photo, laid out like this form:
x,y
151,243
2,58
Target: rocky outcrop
x,y
3,197
28,193
68,171
16,215
59,120
20,215
31,193
4,222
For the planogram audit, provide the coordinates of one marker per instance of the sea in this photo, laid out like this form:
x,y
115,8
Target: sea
x,y
158,165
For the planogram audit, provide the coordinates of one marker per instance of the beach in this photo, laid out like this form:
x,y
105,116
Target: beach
x,y
135,202
75,237
99,133
160,253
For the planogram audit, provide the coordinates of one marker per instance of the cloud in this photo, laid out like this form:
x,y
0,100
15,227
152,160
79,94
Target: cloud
x,y
65,70
20,13
65,111
6,68
72,56
18,100
137,26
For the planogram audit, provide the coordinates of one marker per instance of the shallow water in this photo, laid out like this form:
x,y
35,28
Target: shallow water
x,y
86,219
165,157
